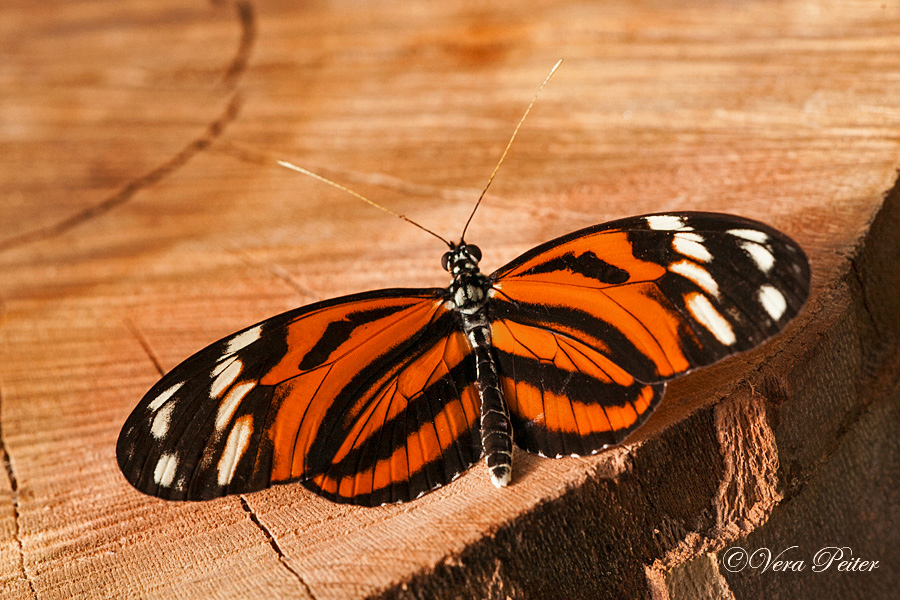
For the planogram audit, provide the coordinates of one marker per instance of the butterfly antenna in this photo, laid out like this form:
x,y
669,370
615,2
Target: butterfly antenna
x,y
511,139
294,167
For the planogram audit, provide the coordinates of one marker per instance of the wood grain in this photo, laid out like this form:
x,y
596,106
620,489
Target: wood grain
x,y
142,216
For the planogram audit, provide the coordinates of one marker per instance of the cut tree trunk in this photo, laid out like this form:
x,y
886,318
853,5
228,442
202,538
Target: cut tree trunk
x,y
142,216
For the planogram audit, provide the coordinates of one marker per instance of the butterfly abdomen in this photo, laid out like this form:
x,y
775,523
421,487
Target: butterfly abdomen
x,y
496,430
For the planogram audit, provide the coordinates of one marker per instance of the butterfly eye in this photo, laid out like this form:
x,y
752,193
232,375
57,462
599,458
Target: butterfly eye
x,y
474,251
445,261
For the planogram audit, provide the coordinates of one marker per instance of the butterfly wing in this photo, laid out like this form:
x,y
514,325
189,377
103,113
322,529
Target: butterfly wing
x,y
588,327
366,399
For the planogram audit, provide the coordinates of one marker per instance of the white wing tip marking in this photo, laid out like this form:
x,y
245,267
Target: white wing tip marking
x,y
697,274
225,377
223,364
664,222
230,403
243,339
688,245
235,446
752,235
707,315
691,235
164,397
164,473
160,425
760,255
772,301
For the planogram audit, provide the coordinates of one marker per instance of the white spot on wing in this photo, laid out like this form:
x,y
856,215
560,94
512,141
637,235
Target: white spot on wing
x,y
690,235
707,315
160,426
164,473
773,301
664,222
686,244
226,377
231,402
235,446
162,398
697,274
221,366
752,235
244,339
760,255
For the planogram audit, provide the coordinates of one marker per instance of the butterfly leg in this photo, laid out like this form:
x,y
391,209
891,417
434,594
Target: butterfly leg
x,y
496,430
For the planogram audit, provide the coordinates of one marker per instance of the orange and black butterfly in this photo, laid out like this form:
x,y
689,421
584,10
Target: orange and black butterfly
x,y
382,396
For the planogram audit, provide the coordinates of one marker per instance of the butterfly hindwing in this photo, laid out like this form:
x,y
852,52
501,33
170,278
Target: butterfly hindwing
x,y
565,398
412,429
365,399
599,319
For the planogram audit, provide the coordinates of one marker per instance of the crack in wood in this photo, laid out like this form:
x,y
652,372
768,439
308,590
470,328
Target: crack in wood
x,y
273,542
145,345
235,69
238,64
213,131
14,486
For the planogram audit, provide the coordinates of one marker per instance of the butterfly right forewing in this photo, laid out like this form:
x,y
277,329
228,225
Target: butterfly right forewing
x,y
595,322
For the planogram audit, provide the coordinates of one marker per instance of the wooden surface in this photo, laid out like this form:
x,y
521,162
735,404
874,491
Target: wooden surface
x,y
141,217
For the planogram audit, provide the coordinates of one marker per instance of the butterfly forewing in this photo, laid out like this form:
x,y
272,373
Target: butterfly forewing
x,y
365,399
587,327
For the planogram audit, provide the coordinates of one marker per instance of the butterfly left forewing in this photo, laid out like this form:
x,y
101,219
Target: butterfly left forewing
x,y
365,399
656,296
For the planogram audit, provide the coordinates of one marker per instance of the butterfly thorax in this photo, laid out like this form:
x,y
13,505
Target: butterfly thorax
x,y
468,291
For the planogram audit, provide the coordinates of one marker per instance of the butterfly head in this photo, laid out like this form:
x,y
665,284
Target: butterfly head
x,y
461,258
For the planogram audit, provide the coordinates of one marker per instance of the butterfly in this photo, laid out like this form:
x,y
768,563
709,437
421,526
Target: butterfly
x,y
382,396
